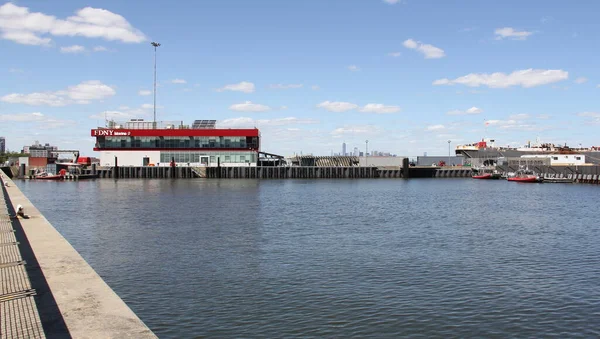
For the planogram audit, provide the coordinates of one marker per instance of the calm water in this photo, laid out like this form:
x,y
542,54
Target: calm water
x,y
341,258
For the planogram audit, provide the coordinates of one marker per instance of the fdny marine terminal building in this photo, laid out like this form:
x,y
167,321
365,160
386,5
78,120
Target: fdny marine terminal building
x,y
146,143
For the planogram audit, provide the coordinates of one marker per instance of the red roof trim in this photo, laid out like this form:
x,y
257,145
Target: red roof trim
x,y
96,149
239,132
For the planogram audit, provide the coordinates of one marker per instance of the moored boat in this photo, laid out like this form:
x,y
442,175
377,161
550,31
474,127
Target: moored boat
x,y
559,180
49,177
486,173
526,176
486,176
531,178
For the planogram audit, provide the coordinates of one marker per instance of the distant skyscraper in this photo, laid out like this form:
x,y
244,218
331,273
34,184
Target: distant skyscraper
x,y
2,145
356,151
344,148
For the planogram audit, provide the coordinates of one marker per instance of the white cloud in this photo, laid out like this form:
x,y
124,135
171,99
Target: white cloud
x,y
50,123
470,111
246,87
100,49
42,121
285,86
287,121
429,51
337,106
442,82
22,117
283,107
125,113
114,115
392,2
178,81
353,68
379,109
515,122
394,54
248,106
438,127
357,129
316,87
25,38
30,28
500,122
72,49
598,86
589,114
88,90
521,116
35,99
144,92
15,70
509,32
581,80
524,78
82,93
249,122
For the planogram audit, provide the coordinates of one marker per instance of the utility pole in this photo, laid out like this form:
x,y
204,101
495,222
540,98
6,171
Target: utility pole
x,y
449,152
366,152
155,44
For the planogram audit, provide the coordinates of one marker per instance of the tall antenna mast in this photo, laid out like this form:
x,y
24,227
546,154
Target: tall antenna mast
x,y
155,44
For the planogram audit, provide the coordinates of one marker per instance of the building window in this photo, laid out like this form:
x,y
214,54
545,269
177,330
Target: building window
x,y
554,158
577,158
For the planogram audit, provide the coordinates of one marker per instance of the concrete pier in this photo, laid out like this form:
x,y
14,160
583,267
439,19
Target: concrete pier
x,y
48,289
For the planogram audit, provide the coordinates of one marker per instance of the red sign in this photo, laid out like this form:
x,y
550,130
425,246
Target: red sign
x,y
109,133
241,132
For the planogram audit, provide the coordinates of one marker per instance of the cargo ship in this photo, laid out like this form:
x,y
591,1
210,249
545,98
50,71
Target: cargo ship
x,y
487,149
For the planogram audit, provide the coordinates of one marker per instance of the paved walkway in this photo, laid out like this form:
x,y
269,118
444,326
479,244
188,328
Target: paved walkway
x,y
47,288
19,316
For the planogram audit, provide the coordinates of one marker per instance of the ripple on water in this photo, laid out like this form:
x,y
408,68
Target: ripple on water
x,y
347,258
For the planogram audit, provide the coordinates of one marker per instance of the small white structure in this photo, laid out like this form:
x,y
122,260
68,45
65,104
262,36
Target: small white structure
x,y
24,160
559,159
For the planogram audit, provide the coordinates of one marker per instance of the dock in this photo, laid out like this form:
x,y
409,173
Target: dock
x,y
578,174
47,289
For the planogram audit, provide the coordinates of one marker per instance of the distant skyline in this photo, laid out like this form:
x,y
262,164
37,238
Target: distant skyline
x,y
406,75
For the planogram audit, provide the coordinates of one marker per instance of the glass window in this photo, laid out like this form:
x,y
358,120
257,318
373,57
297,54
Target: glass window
x,y
179,142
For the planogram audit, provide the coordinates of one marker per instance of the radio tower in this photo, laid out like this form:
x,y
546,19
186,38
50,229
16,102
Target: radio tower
x,y
155,44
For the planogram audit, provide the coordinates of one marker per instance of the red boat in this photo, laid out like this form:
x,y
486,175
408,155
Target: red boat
x,y
49,177
46,176
532,178
486,176
526,176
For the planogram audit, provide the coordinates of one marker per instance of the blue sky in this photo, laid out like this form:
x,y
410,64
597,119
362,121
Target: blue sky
x,y
407,75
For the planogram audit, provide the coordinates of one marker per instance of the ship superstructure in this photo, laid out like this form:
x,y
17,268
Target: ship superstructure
x,y
486,150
